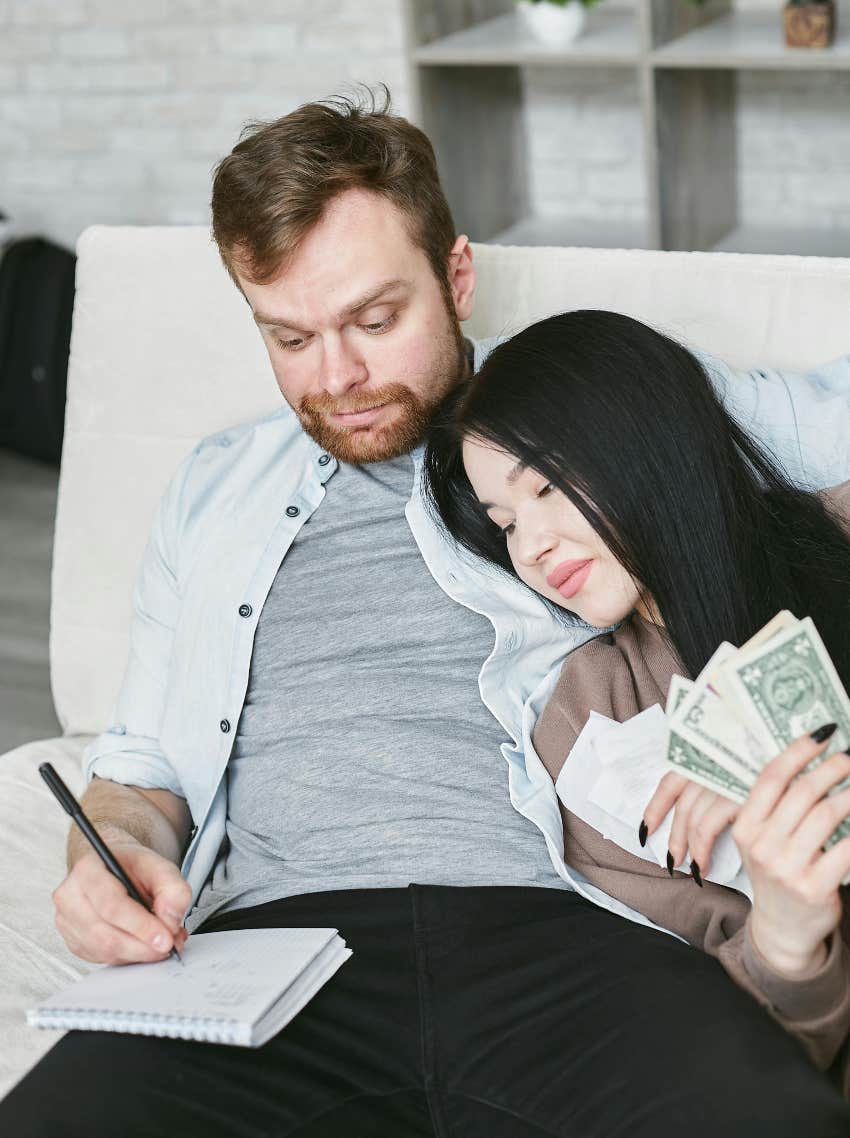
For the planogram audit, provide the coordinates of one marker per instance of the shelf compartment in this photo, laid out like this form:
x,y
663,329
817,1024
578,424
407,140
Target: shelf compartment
x,y
611,39
750,41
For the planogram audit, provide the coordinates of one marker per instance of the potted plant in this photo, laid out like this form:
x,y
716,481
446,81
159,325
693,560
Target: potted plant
x,y
555,22
809,23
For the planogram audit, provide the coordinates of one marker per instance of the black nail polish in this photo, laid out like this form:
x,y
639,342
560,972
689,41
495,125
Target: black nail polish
x,y
823,733
696,874
670,863
642,832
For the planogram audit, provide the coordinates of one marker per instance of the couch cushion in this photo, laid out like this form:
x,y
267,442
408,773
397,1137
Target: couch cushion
x,y
164,351
35,960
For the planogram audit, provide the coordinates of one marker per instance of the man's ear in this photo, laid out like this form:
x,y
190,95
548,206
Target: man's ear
x,y
462,277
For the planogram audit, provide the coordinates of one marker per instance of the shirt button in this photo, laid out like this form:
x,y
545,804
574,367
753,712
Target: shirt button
x,y
292,511
324,459
225,725
245,610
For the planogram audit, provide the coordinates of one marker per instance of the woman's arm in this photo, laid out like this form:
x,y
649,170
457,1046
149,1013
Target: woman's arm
x,y
791,954
814,1008
781,830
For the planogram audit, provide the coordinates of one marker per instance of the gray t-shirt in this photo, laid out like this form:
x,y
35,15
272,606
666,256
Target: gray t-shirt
x,y
364,756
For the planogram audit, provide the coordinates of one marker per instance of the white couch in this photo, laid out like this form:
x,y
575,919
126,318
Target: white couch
x,y
164,352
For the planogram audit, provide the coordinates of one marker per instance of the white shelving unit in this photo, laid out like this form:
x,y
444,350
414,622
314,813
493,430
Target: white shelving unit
x,y
750,41
467,56
610,40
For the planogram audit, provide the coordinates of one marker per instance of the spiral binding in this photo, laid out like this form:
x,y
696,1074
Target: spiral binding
x,y
201,1029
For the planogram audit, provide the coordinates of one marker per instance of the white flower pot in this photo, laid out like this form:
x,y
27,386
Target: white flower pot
x,y
552,24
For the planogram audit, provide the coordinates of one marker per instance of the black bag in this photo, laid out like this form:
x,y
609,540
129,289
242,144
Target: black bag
x,y
36,302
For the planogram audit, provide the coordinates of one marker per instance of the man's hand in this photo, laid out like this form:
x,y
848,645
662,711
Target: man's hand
x,y
146,830
99,921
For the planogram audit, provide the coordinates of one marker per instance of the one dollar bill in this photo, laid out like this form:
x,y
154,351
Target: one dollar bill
x,y
684,758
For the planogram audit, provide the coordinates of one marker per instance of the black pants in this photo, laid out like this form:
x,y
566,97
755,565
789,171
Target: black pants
x,y
463,1012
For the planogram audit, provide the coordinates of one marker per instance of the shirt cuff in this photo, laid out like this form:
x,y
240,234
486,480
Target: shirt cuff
x,y
134,770
812,995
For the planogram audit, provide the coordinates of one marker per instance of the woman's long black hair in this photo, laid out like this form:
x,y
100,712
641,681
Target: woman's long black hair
x,y
626,423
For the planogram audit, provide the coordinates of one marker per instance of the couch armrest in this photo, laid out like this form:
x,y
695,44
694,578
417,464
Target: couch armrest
x,y
33,831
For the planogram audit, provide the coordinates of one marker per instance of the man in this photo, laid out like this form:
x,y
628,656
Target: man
x,y
306,729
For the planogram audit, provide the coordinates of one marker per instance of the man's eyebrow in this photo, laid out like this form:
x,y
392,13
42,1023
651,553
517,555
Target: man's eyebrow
x,y
511,477
356,306
375,294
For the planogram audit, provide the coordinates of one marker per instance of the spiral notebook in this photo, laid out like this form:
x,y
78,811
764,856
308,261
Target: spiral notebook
x,y
238,987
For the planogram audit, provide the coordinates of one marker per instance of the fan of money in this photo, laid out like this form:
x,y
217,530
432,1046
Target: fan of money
x,y
749,703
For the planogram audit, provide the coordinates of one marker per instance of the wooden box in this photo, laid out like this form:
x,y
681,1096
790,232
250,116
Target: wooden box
x,y
810,25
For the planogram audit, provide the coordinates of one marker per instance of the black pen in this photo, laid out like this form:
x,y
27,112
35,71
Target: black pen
x,y
70,805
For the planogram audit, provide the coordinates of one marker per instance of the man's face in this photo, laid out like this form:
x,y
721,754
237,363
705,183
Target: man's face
x,y
359,333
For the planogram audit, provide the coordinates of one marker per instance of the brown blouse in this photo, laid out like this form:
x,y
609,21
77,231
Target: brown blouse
x,y
618,675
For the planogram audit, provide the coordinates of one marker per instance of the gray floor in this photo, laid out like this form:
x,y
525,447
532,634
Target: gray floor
x,y
27,511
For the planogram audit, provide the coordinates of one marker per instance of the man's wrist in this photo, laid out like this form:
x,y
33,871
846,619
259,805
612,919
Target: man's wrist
x,y
114,836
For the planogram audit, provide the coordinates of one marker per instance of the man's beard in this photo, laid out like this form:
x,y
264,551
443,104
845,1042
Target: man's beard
x,y
411,417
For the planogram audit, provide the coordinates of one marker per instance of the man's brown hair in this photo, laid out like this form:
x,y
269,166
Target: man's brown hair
x,y
274,186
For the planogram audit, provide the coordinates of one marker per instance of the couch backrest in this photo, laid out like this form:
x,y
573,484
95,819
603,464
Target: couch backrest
x,y
164,351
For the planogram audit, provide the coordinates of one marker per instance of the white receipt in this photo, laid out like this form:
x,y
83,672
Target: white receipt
x,y
610,775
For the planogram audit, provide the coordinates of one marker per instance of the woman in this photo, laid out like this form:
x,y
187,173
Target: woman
x,y
591,458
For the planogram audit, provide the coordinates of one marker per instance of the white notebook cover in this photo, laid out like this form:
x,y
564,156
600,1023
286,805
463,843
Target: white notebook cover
x,y
238,987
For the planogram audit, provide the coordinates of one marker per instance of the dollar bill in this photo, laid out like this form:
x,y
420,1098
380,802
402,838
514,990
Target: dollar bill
x,y
684,758
789,686
781,621
703,721
736,700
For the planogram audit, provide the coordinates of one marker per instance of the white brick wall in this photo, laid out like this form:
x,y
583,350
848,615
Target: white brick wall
x,y
793,129
584,136
117,110
794,143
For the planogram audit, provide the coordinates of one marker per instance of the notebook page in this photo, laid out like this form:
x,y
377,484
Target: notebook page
x,y
234,975
290,1003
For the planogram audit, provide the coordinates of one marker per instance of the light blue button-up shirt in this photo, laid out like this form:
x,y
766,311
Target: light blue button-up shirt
x,y
226,522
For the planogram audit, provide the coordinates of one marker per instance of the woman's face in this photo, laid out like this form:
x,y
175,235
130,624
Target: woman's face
x,y
552,546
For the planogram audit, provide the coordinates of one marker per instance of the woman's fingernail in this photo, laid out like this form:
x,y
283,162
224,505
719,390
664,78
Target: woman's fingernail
x,y
823,733
160,942
642,832
670,863
696,874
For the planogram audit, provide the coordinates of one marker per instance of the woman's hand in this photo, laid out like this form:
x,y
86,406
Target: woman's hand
x,y
700,817
780,831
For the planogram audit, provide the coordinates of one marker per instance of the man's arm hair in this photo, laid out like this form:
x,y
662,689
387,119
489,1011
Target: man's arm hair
x,y
157,819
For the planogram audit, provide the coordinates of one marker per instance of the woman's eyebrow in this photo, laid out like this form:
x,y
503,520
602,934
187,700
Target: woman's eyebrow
x,y
513,474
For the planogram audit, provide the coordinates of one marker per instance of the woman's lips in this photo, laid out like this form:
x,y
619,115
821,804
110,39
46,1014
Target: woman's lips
x,y
569,576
